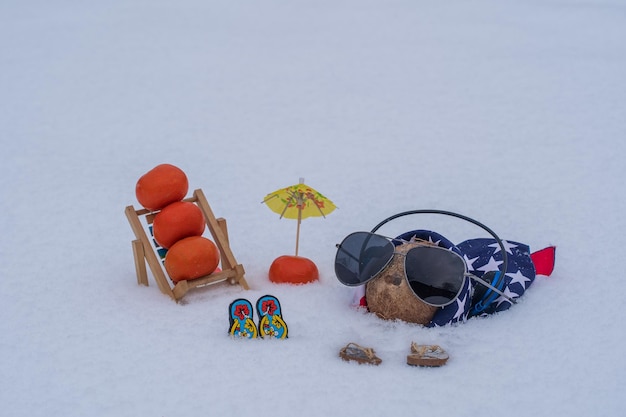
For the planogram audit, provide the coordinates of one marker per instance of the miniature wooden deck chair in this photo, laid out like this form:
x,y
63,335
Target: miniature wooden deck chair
x,y
144,250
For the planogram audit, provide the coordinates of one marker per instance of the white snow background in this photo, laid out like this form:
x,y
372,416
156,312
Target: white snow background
x,y
511,112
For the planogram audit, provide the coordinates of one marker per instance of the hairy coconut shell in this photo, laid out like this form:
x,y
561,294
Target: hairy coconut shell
x,y
390,297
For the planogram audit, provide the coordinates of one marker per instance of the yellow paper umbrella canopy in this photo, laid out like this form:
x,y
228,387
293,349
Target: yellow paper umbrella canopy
x,y
299,201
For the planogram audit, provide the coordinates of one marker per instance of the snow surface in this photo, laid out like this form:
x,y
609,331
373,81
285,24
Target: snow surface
x,y
511,112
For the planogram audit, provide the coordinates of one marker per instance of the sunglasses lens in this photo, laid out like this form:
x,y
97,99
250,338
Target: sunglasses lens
x,y
435,274
361,256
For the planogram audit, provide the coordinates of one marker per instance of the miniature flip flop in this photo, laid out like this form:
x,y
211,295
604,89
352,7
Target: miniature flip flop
x,y
427,355
241,323
271,323
360,354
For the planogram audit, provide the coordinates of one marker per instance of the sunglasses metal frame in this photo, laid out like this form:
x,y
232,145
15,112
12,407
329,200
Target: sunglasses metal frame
x,y
466,273
503,268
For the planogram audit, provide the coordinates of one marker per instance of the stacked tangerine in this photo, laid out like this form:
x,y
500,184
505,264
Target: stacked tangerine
x,y
178,226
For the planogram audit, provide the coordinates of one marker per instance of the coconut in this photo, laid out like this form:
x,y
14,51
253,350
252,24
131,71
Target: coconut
x,y
390,297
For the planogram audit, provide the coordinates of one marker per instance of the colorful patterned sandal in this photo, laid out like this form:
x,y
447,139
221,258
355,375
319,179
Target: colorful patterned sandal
x,y
360,354
241,323
271,323
426,355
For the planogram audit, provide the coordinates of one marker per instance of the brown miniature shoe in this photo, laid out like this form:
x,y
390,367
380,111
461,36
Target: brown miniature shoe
x,y
360,354
426,355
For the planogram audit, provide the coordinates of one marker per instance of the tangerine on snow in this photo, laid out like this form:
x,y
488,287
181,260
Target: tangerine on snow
x,y
162,185
293,270
192,257
177,221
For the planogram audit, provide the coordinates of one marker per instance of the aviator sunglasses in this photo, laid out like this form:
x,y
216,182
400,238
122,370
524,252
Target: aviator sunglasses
x,y
435,275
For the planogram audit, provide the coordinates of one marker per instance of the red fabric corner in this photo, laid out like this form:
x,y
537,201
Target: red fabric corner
x,y
544,260
363,302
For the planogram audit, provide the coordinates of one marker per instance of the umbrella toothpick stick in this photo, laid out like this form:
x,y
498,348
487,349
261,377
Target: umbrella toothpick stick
x,y
298,230
298,196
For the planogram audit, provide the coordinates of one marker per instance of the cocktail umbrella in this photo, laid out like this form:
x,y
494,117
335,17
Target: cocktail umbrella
x,y
299,201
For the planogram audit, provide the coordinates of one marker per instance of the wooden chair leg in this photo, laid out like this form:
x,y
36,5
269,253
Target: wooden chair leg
x,y
149,255
239,271
180,289
239,277
140,263
221,222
